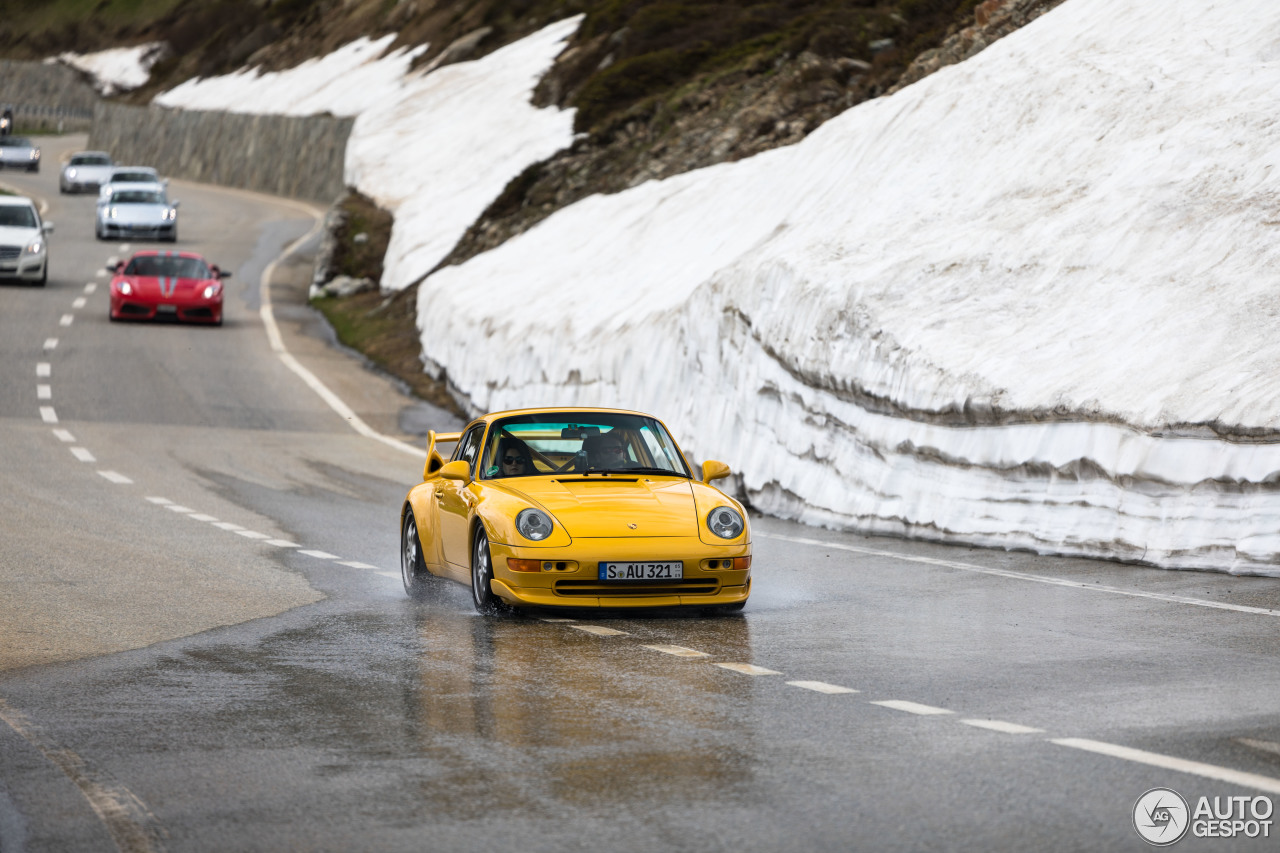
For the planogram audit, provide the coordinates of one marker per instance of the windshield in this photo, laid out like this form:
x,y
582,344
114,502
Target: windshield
x,y
133,177
581,443
14,142
17,216
90,160
159,266
137,197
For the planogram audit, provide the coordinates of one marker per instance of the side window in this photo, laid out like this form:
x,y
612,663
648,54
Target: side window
x,y
469,447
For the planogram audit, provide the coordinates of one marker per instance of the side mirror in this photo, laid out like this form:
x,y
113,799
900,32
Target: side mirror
x,y
713,470
113,263
47,227
224,273
459,470
175,204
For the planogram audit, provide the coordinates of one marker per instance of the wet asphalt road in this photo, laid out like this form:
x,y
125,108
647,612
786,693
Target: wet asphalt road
x,y
169,682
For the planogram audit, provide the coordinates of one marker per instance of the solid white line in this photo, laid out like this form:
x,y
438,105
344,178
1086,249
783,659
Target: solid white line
x,y
66,319
44,368
83,454
50,343
1264,745
1005,573
320,555
1002,726
912,707
679,651
1168,762
748,669
283,543
44,392
277,346
822,687
599,630
48,415
78,302
64,435
116,477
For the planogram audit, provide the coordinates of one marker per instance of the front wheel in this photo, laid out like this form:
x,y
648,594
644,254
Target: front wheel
x,y
413,569
482,595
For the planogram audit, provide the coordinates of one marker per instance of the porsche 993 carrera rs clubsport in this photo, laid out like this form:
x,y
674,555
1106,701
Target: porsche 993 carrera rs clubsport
x,y
574,508
174,285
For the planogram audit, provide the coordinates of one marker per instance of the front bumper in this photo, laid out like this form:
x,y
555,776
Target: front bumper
x,y
199,311
570,577
167,231
25,268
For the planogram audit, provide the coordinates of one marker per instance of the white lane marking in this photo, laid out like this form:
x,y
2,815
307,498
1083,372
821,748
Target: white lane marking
x,y
912,707
128,821
354,564
178,508
160,501
1168,762
1005,573
1264,745
66,319
78,302
102,273
320,555
252,534
283,543
554,619
125,248
748,669
822,687
277,346
48,415
599,630
93,285
1002,726
200,516
226,525
395,575
116,477
679,651
44,392
50,343
83,454
64,435
44,368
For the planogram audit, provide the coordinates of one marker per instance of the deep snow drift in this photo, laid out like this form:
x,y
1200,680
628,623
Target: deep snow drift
x,y
1026,302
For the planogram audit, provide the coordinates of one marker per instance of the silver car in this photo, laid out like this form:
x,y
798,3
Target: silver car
x,y
17,152
86,171
24,251
130,175
136,210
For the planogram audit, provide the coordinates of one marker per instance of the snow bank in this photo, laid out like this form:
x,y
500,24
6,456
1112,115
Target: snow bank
x,y
119,69
1027,302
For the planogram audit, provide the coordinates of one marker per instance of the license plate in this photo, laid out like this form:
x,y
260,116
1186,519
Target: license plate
x,y
167,309
641,571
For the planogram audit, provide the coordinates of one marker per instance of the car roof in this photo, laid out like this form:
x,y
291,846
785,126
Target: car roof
x,y
552,410
118,168
16,201
167,253
129,186
90,154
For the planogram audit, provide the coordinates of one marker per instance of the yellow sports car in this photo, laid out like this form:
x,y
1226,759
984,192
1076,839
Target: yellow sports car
x,y
574,508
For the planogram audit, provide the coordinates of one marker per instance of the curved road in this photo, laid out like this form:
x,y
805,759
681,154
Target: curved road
x,y
204,644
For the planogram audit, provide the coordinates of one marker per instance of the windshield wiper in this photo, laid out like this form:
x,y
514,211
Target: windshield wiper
x,y
636,470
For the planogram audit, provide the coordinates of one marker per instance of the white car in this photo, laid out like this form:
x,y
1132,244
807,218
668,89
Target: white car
x,y
18,152
130,175
136,210
86,171
24,251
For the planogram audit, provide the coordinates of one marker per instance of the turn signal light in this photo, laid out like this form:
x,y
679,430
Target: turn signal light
x,y
741,564
517,565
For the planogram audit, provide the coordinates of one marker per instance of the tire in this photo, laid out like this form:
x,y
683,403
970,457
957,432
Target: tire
x,y
413,569
487,604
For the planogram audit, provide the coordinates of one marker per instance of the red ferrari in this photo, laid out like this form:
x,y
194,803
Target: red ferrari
x,y
176,285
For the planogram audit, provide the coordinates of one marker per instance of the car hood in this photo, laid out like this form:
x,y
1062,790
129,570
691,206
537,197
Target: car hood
x,y
164,287
614,505
94,174
133,214
13,153
13,236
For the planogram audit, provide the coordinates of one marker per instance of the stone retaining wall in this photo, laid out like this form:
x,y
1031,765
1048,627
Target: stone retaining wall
x,y
298,157
46,97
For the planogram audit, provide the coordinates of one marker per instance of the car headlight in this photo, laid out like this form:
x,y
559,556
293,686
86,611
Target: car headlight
x,y
35,155
71,173
35,247
534,524
725,522
210,291
171,214
126,288
113,213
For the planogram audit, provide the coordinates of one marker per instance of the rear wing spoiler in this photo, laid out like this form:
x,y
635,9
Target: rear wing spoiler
x,y
434,460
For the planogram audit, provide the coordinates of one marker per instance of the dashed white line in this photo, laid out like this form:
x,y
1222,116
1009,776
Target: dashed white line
x,y
599,630
200,516
252,534
92,286
178,508
748,669
50,344
48,415
226,525
554,619
351,564
320,555
78,302
160,501
1168,762
822,687
83,454
912,707
64,435
116,477
283,543
1002,726
44,368
44,392
679,651
66,319
395,575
